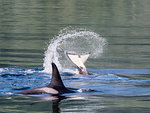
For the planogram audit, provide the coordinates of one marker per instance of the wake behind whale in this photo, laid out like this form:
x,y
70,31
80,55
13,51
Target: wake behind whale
x,y
71,40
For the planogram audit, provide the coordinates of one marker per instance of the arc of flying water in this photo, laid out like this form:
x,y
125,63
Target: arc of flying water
x,y
52,55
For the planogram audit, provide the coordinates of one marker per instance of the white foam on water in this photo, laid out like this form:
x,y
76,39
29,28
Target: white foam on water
x,y
1,70
7,93
84,90
75,41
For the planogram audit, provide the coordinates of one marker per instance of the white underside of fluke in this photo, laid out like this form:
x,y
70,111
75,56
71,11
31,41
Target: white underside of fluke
x,y
79,60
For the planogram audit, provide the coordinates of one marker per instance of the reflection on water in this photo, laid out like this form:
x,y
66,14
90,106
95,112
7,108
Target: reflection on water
x,y
121,85
90,103
26,27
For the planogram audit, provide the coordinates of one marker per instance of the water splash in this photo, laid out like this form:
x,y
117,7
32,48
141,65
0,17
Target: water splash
x,y
72,40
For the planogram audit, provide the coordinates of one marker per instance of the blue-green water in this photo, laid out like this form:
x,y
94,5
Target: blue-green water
x,y
121,74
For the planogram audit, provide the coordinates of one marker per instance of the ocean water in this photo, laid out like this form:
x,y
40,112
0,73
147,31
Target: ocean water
x,y
115,33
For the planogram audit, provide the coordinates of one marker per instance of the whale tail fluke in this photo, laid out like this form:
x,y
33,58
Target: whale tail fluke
x,y
79,61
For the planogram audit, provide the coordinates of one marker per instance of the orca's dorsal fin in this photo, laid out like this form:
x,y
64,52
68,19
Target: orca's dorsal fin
x,y
56,81
79,61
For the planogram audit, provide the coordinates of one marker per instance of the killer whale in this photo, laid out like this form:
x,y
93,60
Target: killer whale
x,y
79,60
55,87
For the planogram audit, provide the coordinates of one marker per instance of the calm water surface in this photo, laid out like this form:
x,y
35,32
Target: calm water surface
x,y
121,76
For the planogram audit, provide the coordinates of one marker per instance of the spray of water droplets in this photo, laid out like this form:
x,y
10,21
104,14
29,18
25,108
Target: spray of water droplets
x,y
78,41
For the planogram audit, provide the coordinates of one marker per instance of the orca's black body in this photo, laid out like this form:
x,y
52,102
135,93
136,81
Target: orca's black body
x,y
55,86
